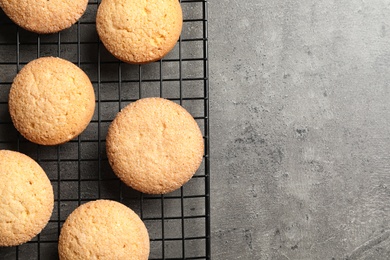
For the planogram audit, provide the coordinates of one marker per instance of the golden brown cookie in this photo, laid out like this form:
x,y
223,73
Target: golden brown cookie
x,y
139,31
154,145
27,198
51,101
44,16
103,229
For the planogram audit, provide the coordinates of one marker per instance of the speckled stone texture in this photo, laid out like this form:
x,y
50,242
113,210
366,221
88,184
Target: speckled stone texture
x,y
300,122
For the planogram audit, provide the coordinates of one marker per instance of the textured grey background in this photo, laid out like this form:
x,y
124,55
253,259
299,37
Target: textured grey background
x,y
300,127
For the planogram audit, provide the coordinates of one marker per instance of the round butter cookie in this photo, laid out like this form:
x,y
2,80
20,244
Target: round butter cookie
x,y
139,31
154,145
27,198
44,16
103,229
51,101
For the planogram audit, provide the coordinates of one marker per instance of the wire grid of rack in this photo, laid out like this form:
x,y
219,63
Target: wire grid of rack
x,y
178,222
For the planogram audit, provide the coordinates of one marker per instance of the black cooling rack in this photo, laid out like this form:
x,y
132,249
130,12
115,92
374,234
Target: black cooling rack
x,y
179,222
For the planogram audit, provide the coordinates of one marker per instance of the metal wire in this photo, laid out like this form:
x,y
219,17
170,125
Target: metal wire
x,y
179,222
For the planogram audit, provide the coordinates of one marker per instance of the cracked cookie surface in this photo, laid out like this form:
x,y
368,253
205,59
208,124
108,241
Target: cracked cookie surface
x,y
44,16
154,145
26,198
51,101
139,31
103,229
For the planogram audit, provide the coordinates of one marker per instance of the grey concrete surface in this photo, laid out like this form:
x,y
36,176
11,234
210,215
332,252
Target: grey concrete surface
x,y
300,122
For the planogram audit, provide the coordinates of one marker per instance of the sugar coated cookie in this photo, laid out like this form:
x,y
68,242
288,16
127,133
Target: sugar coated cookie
x,y
139,31
103,229
154,145
27,198
44,16
51,101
